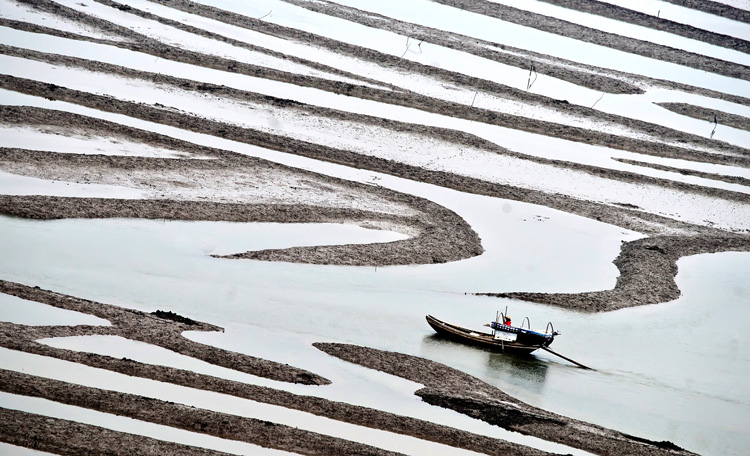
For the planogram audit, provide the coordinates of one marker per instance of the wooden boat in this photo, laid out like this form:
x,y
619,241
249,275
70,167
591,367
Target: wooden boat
x,y
504,338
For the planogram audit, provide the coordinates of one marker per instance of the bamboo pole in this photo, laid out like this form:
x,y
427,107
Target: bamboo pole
x,y
566,358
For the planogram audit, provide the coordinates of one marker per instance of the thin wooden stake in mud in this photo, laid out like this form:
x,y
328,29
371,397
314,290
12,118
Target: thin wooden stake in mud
x,y
530,83
597,101
716,122
566,358
419,45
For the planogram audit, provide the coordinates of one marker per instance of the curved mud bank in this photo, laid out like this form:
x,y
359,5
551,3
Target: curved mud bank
x,y
438,241
441,236
436,234
647,270
449,388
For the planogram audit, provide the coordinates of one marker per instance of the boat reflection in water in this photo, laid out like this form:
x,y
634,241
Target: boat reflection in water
x,y
527,373
524,372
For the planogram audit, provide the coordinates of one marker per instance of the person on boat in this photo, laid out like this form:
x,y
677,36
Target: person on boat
x,y
506,320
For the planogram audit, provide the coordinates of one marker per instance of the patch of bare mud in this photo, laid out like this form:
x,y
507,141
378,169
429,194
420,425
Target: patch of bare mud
x,y
449,238
137,41
716,8
647,270
15,11
709,115
663,146
57,436
689,172
443,236
311,150
596,82
236,181
449,388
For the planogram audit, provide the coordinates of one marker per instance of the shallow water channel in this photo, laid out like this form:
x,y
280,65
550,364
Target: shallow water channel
x,y
670,372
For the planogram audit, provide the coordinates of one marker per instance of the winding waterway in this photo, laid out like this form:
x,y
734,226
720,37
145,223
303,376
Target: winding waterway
x,y
674,371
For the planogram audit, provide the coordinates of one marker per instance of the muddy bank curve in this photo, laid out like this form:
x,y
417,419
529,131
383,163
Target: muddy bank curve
x,y
453,389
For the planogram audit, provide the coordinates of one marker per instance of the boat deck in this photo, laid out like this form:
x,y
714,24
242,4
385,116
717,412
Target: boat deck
x,y
478,338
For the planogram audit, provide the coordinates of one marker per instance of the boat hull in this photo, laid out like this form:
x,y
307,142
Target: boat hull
x,y
477,338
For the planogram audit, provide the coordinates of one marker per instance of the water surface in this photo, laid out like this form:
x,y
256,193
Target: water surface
x,y
674,372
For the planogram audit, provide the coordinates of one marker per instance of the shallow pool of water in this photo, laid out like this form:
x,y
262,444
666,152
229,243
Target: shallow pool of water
x,y
23,312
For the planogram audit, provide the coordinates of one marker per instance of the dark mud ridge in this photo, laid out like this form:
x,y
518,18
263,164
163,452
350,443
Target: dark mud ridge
x,y
134,325
449,388
57,436
689,172
222,425
169,315
716,8
709,115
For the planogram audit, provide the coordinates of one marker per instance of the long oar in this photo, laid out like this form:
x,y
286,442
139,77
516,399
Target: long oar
x,y
566,358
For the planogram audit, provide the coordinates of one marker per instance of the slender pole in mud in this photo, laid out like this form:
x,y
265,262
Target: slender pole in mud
x,y
597,101
566,358
715,124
